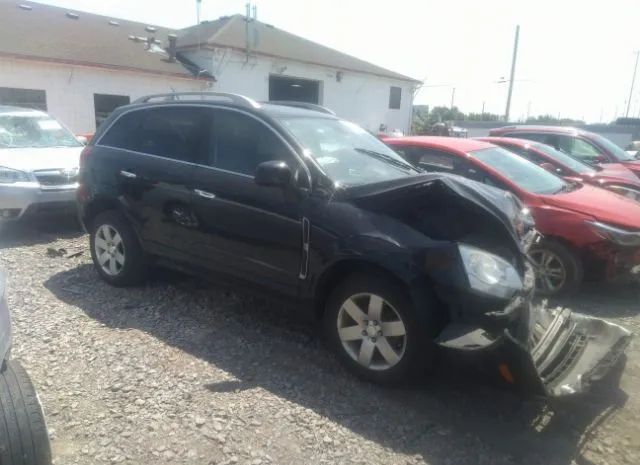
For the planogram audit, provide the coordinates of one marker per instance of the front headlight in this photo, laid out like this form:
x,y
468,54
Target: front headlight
x,y
616,235
11,176
488,273
625,191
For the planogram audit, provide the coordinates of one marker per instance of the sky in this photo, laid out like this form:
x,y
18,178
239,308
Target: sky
x,y
575,59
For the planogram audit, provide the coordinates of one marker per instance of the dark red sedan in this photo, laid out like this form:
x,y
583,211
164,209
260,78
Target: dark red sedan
x,y
613,176
584,145
587,230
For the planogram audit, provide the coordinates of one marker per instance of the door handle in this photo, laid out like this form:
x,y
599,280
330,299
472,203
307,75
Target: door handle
x,y
128,174
205,194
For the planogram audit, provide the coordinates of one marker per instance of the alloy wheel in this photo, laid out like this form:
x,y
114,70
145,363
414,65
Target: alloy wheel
x,y
551,272
109,249
371,331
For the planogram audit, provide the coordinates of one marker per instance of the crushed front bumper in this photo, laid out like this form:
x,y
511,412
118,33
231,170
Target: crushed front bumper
x,y
565,351
18,199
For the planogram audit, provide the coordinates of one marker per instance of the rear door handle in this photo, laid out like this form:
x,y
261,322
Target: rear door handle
x,y
128,174
205,194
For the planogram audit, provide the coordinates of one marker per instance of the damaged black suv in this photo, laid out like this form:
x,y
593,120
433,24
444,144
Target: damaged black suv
x,y
290,199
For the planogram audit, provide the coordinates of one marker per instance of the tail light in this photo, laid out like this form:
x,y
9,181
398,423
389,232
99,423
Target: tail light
x,y
84,155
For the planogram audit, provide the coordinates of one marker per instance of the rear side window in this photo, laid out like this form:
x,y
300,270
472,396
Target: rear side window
x,y
178,133
240,143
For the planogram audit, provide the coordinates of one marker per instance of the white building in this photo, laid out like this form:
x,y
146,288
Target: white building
x,y
79,66
267,63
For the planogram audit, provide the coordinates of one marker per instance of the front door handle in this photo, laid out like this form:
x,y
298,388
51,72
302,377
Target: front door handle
x,y
128,174
205,194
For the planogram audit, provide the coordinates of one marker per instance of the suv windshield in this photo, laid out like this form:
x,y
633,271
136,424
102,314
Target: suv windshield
x,y
526,175
565,159
21,130
617,152
348,154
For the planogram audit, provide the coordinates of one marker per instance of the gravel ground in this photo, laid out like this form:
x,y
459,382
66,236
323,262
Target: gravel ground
x,y
179,371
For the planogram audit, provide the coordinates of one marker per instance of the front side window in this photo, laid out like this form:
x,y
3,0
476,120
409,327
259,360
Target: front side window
x,y
23,129
348,154
240,143
566,160
578,148
524,174
612,148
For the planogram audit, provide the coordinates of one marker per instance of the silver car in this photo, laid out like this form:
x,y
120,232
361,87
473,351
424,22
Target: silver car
x,y
39,160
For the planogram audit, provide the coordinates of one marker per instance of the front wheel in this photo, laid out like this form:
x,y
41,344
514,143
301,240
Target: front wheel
x,y
558,269
370,324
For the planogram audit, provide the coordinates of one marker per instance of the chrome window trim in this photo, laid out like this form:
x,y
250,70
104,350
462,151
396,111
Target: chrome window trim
x,y
212,106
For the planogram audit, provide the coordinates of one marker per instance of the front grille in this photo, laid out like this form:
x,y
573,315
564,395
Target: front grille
x,y
57,178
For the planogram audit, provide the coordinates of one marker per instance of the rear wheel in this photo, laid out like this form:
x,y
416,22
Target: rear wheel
x,y
371,325
115,250
558,269
23,433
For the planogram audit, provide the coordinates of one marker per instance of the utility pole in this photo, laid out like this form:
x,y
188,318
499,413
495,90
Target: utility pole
x,y
453,96
513,73
633,81
482,109
198,5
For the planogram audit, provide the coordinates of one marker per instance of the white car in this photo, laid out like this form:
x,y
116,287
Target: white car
x,y
39,160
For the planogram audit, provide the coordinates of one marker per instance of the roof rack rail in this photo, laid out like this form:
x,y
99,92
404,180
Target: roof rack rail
x,y
233,98
305,105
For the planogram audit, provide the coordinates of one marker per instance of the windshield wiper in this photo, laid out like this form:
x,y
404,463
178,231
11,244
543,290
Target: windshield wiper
x,y
387,158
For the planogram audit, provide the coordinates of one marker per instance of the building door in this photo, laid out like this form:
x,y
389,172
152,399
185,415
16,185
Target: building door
x,y
294,89
104,104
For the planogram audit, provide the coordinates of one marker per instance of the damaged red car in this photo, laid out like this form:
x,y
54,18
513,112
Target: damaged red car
x,y
587,231
584,145
612,176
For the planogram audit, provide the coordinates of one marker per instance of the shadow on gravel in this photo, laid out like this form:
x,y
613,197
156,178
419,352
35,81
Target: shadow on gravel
x,y
40,230
264,345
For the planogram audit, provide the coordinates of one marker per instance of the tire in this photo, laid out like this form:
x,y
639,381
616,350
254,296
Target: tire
x,y
563,259
126,262
414,350
23,432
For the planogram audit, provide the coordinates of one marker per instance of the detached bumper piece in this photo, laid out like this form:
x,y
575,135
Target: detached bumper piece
x,y
569,350
566,352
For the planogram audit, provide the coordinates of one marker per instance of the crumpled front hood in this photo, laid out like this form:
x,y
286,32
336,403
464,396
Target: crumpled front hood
x,y
601,204
494,207
40,158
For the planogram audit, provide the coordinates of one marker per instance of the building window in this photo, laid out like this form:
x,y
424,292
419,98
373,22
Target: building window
x,y
26,98
294,89
395,97
104,104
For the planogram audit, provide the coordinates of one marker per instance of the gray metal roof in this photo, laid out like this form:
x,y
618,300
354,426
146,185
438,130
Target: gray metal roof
x,y
47,33
229,32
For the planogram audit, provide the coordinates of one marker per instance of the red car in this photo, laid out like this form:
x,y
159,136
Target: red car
x,y
584,145
585,229
613,176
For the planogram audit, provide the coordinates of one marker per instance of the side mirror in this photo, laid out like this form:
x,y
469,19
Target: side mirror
x,y
82,139
600,159
549,167
273,173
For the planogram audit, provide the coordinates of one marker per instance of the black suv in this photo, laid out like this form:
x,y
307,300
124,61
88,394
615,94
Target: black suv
x,y
305,205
